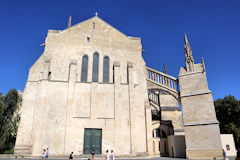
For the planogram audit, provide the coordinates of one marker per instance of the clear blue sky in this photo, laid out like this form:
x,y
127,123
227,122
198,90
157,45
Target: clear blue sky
x,y
212,26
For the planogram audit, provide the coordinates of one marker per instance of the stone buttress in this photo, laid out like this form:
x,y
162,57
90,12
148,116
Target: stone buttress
x,y
200,124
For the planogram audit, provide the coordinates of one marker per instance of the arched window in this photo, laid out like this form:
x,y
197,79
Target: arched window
x,y
106,69
84,68
95,67
158,132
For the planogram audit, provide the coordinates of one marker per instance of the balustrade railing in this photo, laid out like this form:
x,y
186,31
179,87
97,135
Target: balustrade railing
x,y
154,97
162,78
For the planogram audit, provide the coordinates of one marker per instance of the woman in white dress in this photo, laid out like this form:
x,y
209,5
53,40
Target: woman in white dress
x,y
43,154
107,155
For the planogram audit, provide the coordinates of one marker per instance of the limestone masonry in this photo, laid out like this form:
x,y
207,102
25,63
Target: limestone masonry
x,y
91,90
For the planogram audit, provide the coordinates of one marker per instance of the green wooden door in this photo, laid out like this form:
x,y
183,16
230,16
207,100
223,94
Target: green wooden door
x,y
92,140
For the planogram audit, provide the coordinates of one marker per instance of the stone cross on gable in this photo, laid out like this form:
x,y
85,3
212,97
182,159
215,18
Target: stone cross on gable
x,y
96,14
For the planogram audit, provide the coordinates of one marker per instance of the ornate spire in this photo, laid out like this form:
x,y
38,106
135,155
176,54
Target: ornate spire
x,y
69,22
188,56
164,69
203,65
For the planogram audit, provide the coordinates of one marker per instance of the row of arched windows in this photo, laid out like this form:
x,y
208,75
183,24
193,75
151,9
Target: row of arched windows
x,y
95,68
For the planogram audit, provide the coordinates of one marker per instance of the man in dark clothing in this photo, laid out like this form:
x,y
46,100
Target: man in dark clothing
x,y
71,156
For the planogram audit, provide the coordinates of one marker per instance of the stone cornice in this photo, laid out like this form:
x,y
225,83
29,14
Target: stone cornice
x,y
198,123
201,149
189,73
75,81
170,109
178,130
195,93
32,81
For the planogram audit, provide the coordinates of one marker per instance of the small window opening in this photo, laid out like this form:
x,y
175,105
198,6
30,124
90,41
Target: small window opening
x,y
155,115
88,39
113,75
93,25
159,146
158,132
49,75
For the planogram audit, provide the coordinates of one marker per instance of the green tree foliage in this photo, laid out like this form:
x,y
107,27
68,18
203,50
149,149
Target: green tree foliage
x,y
228,114
9,118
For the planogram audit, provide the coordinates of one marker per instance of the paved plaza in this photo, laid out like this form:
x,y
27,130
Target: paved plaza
x,y
156,158
161,158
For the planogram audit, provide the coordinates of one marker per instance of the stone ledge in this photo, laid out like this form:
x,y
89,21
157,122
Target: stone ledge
x,y
197,149
197,123
196,72
178,130
73,62
170,109
196,93
204,153
116,64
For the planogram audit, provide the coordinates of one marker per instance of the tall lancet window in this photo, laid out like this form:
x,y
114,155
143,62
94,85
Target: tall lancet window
x,y
106,69
84,68
95,67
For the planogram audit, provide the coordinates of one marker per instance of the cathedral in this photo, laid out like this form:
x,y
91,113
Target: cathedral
x,y
92,90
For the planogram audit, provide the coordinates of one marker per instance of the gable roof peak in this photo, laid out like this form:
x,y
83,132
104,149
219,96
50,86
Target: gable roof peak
x,y
98,18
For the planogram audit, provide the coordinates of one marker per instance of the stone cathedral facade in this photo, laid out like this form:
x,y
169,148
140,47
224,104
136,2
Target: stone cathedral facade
x,y
91,89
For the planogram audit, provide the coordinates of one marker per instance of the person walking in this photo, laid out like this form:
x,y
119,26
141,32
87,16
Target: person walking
x,y
71,156
224,154
43,154
47,153
107,155
112,155
93,152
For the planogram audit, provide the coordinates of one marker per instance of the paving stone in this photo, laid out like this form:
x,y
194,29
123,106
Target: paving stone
x,y
156,158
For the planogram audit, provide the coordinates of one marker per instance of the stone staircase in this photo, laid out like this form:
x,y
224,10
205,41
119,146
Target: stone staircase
x,y
22,150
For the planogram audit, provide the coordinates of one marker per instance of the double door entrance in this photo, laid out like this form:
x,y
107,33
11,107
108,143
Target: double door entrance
x,y
92,141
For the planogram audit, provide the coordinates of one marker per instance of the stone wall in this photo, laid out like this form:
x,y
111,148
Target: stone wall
x,y
57,106
200,124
